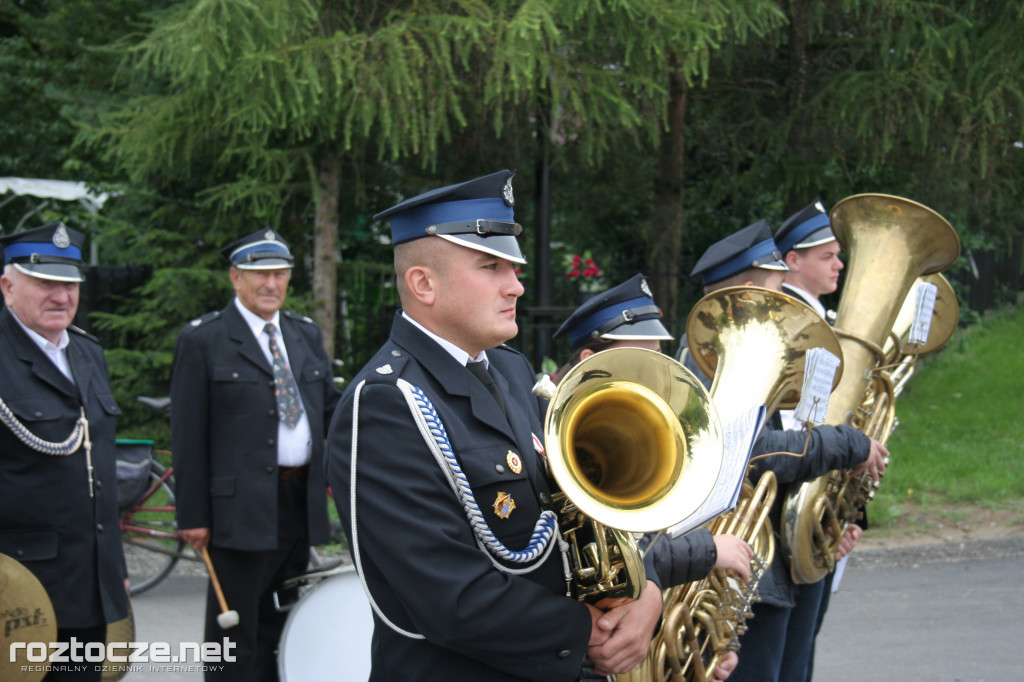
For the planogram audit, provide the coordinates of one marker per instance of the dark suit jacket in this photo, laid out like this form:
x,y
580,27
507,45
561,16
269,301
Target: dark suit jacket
x,y
224,427
418,552
47,519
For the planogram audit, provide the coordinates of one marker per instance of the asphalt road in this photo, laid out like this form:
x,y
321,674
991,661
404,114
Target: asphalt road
x,y
946,612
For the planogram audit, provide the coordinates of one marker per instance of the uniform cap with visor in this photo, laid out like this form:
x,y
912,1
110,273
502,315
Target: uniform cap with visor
x,y
626,312
53,251
263,250
476,214
751,247
806,228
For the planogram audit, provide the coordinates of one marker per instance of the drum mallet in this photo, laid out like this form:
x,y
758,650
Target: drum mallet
x,y
226,618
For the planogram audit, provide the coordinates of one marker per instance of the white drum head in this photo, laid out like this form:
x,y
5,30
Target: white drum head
x,y
327,634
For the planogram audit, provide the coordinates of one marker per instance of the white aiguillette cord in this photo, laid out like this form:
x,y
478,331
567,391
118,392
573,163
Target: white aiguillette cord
x,y
79,437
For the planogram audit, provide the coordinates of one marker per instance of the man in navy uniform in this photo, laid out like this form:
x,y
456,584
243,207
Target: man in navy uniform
x,y
777,644
252,393
437,467
58,510
811,251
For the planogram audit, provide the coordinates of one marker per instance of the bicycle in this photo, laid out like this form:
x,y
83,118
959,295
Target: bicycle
x,y
148,515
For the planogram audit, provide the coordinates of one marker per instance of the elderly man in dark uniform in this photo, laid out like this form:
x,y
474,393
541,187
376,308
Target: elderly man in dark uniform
x,y
58,508
252,393
777,644
437,467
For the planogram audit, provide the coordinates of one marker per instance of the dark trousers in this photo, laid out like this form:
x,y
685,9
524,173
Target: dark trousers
x,y
77,672
248,580
778,643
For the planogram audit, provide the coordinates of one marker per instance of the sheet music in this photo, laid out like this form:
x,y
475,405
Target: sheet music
x,y
926,293
820,367
739,437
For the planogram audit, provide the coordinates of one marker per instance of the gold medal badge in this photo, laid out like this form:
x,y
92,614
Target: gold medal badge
x,y
503,505
513,461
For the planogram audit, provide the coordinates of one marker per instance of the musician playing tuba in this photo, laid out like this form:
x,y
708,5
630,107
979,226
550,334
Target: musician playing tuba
x,y
626,316
777,642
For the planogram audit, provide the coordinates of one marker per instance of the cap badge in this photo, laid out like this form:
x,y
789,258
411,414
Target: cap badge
x,y
513,461
503,505
60,237
646,289
269,234
506,193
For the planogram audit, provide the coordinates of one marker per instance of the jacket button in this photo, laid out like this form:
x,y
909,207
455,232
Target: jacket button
x,y
99,527
564,653
270,383
500,469
234,375
20,552
38,413
271,413
270,470
270,441
98,483
545,498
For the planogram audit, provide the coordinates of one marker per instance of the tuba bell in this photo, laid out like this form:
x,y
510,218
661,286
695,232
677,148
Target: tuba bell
x,y
633,445
891,241
753,341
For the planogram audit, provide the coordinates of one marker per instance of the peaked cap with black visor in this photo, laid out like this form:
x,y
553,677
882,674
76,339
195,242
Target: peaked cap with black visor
x,y
476,214
626,312
53,252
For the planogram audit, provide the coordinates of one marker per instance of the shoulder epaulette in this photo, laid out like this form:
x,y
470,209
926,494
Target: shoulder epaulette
x,y
208,317
82,332
298,318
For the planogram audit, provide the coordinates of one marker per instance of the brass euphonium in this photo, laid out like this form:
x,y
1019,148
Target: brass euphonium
x,y
891,241
633,445
753,341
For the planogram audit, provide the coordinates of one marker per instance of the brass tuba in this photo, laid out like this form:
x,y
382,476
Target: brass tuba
x,y
753,341
891,242
633,445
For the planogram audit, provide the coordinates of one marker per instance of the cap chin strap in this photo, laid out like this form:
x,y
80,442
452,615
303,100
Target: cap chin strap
x,y
625,317
43,259
481,227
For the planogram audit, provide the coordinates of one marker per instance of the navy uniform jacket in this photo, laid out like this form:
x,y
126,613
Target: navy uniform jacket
x,y
419,555
224,427
830,448
48,522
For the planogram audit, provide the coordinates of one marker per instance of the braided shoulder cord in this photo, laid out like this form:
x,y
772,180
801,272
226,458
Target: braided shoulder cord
x,y
546,528
68,446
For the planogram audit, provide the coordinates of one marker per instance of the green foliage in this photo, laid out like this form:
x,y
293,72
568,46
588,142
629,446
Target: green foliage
x,y
960,439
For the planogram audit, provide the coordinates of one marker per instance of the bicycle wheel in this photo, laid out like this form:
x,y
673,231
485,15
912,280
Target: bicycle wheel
x,y
149,533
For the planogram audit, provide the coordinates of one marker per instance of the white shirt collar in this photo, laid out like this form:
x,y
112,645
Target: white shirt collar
x,y
255,322
807,297
461,356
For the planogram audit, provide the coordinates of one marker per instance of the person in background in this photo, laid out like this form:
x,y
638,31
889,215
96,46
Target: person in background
x,y
626,316
58,510
252,393
812,254
438,470
777,644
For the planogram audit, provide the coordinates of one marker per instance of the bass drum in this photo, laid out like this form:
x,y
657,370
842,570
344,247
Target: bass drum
x,y
328,632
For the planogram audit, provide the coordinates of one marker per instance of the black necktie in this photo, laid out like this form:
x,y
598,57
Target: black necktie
x,y
481,373
285,389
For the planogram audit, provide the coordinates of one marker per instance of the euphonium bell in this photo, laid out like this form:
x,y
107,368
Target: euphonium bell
x,y
634,445
753,342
